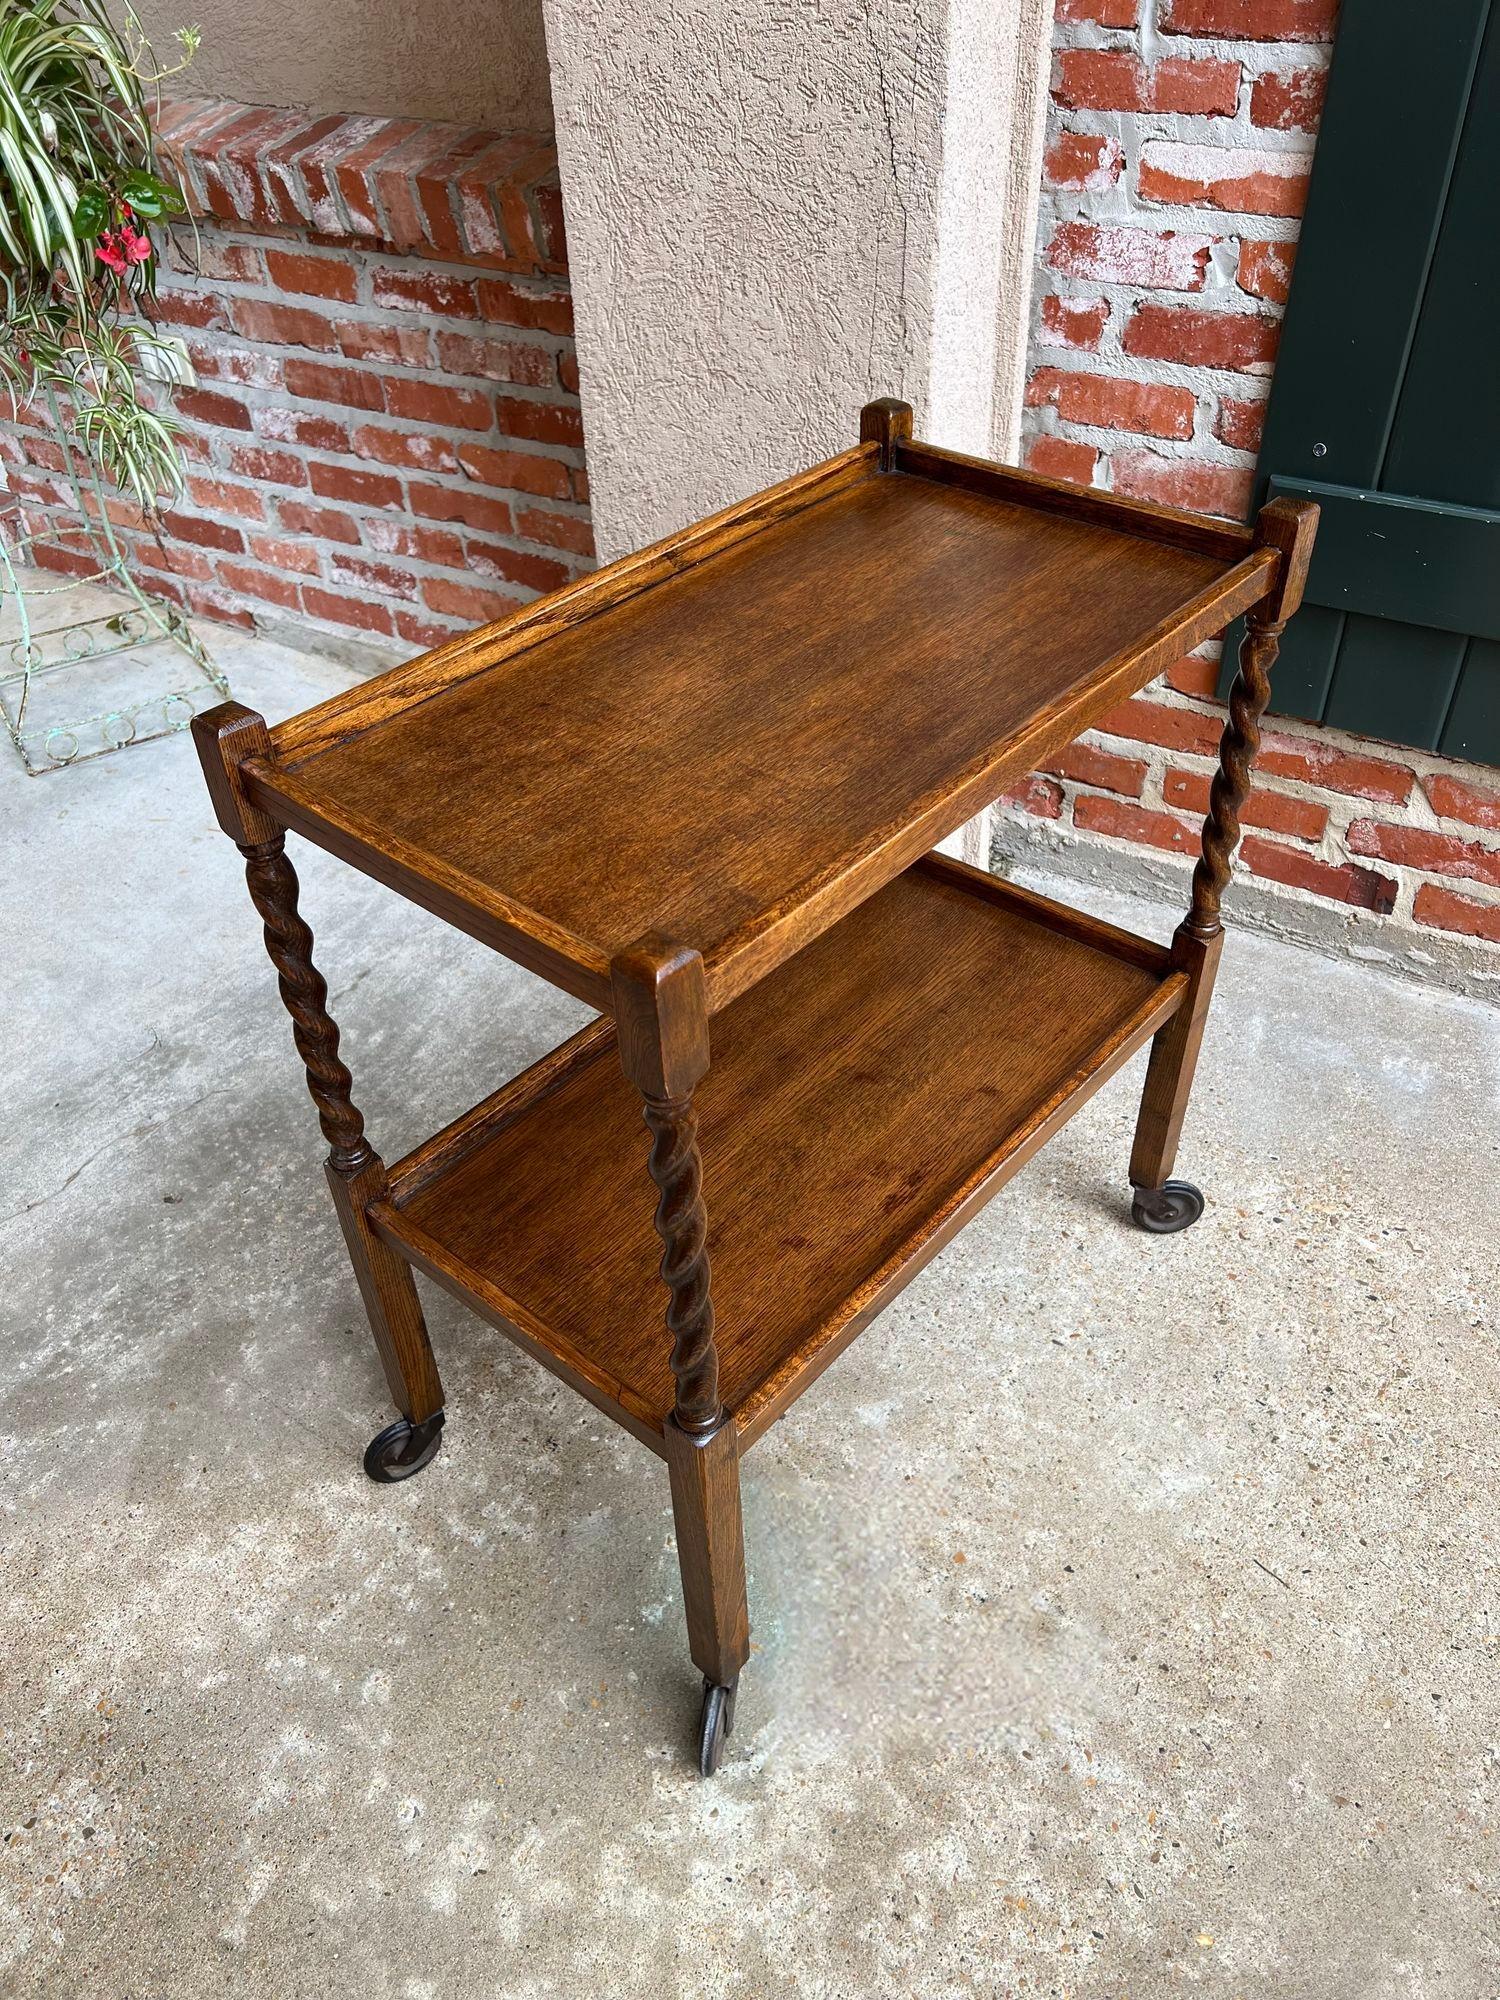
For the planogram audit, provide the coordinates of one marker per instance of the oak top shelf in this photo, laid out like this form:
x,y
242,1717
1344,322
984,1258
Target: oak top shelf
x,y
734,738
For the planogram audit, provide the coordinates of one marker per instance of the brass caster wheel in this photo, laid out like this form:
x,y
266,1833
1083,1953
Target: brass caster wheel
x,y
715,1724
1174,1205
403,1448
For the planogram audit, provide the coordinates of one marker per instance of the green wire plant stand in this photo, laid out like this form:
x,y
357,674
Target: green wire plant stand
x,y
47,738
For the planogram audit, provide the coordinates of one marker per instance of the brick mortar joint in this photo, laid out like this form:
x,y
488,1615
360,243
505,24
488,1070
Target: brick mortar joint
x,y
1405,879
1135,127
1422,765
255,395
1160,871
1200,447
370,256
1154,46
1343,807
1343,810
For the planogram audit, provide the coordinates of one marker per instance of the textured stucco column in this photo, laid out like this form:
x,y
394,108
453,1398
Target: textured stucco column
x,y
777,211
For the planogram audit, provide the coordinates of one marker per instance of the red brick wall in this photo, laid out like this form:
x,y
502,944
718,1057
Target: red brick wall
x,y
385,438
1178,147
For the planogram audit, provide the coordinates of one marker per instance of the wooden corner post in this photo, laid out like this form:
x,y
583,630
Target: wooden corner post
x,y
1288,527
661,1015
227,737
886,423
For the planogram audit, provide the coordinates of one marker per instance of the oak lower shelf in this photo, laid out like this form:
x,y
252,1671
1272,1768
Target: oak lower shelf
x,y
958,1021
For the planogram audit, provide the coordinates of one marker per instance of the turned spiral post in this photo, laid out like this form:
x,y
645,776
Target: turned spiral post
x,y
661,1013
1283,540
1238,749
231,738
235,748
272,881
682,1224
1287,527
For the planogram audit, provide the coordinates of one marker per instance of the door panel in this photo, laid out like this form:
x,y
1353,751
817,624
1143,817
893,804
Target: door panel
x,y
1405,674
1385,404
1445,441
1473,726
1304,667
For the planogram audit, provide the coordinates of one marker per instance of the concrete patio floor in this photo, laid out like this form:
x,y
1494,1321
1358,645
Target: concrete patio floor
x,y
1125,1608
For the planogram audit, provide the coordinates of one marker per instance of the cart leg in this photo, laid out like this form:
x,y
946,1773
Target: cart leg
x,y
395,1315
703,1454
226,737
661,1014
705,1476
1162,1205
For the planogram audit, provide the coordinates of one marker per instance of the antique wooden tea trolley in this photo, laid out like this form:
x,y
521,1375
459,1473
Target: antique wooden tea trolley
x,y
699,790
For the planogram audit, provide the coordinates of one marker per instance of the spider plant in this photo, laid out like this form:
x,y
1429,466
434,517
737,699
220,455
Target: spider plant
x,y
79,191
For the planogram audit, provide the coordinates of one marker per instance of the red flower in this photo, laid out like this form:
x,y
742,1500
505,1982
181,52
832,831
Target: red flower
x,y
122,247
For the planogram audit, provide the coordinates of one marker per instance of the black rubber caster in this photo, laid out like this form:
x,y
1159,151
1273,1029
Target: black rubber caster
x,y
403,1448
715,1724
1174,1205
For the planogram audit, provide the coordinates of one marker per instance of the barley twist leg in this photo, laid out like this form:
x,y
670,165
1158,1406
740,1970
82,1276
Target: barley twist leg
x,y
1238,749
682,1224
272,882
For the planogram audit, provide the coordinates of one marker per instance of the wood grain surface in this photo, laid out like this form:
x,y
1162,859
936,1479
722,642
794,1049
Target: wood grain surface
x,y
734,756
854,1111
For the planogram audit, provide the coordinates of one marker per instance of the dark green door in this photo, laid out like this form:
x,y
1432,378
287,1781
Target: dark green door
x,y
1385,405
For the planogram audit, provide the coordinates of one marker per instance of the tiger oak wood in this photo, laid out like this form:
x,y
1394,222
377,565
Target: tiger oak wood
x,y
852,1096
372,702
697,789
388,1293
1225,541
734,755
661,1023
704,1474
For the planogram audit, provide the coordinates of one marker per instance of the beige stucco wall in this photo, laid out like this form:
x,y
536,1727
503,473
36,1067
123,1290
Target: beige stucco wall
x,y
475,62
777,212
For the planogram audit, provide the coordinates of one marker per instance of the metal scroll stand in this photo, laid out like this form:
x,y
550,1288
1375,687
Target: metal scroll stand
x,y
46,737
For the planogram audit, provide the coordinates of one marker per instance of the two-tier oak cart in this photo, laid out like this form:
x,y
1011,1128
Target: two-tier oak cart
x,y
699,790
